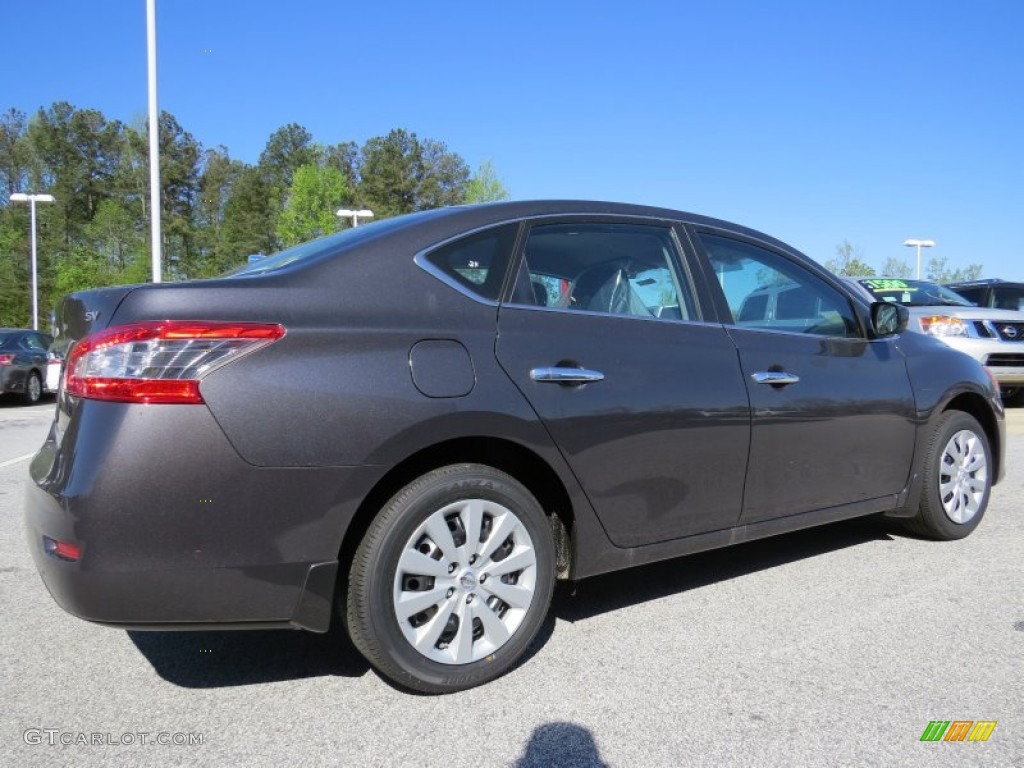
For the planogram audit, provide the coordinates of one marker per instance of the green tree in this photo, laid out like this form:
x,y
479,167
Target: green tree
x,y
218,175
894,267
114,235
344,157
180,155
486,186
443,176
389,169
940,271
77,154
315,195
248,221
15,302
849,261
14,152
287,149
399,174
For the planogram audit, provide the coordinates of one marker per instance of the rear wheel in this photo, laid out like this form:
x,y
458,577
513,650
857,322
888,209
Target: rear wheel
x,y
453,579
957,479
33,389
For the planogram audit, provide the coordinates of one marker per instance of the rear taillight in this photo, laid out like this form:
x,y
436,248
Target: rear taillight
x,y
158,362
6,359
62,550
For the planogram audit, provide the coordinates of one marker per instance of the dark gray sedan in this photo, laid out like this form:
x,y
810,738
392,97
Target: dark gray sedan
x,y
24,360
423,423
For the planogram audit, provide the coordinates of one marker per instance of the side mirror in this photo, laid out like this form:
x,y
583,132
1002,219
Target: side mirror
x,y
888,318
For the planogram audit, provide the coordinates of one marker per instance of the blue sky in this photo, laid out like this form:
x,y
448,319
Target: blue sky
x,y
813,121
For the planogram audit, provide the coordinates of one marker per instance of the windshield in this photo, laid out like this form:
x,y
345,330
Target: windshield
x,y
914,293
327,245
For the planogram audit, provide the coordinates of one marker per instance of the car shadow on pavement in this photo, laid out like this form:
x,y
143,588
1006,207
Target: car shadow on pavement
x,y
14,401
219,659
610,592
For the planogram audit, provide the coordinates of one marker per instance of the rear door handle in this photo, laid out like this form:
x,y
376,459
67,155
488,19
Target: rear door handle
x,y
775,378
558,375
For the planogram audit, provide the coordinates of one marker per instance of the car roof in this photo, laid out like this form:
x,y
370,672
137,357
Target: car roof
x,y
985,282
466,217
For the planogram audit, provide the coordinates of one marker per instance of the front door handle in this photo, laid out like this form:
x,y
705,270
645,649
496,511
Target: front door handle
x,y
559,375
775,378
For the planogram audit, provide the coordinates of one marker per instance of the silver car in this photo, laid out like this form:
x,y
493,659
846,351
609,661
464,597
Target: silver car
x,y
994,337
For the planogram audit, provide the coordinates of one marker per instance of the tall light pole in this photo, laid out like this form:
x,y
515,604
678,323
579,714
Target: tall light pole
x,y
21,197
919,244
356,215
154,140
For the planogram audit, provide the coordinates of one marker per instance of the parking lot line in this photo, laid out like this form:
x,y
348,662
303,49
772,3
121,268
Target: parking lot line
x,y
15,461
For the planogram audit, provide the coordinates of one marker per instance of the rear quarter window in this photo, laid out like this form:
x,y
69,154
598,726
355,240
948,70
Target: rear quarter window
x,y
477,263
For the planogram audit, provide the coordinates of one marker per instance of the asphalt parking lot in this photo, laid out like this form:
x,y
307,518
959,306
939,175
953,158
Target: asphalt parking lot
x,y
832,647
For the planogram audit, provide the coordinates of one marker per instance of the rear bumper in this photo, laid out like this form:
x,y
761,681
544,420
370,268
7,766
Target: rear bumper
x,y
297,595
163,546
12,379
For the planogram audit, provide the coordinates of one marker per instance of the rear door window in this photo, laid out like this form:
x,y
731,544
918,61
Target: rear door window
x,y
611,268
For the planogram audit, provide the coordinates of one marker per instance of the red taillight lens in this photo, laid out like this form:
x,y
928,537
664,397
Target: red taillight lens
x,y
6,359
62,550
158,362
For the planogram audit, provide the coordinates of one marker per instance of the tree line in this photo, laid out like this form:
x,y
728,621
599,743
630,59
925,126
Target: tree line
x,y
849,261
216,210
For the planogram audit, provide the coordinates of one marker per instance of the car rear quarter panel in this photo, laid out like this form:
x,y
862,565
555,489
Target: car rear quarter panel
x,y
165,511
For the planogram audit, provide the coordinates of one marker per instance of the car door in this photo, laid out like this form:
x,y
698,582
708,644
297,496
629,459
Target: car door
x,y
605,339
833,417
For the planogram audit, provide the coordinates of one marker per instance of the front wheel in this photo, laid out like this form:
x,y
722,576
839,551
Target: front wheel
x,y
957,479
453,579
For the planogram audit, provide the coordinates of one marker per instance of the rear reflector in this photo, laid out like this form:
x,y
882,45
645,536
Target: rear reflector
x,y
158,362
61,549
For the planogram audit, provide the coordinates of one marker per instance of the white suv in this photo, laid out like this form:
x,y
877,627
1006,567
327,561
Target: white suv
x,y
994,337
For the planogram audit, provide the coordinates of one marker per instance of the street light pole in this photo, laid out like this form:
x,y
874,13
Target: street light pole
x,y
356,215
21,197
919,244
154,140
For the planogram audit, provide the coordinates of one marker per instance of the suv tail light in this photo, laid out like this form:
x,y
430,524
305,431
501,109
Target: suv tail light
x,y
158,362
6,359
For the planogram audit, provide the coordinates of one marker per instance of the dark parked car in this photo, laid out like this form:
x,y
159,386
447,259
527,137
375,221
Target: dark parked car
x,y
24,358
424,422
994,293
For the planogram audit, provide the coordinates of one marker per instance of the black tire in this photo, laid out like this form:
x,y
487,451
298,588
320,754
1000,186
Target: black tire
x,y
33,389
458,659
936,516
